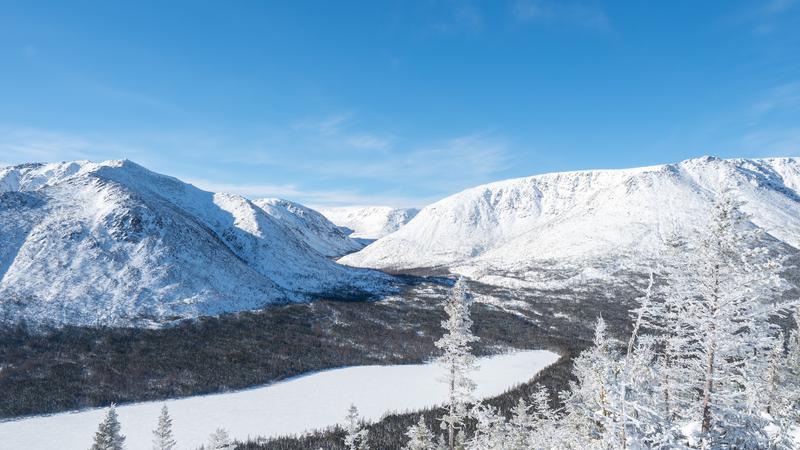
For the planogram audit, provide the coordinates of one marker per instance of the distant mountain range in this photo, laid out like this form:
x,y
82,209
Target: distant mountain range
x,y
369,222
504,232
113,243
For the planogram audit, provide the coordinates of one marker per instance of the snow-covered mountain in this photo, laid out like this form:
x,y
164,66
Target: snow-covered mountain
x,y
310,227
513,225
114,243
369,222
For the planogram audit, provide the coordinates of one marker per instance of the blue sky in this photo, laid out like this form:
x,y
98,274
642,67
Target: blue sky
x,y
395,102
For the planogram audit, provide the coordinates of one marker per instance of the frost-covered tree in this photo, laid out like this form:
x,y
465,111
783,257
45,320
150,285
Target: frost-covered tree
x,y
730,289
420,437
162,435
491,431
457,359
220,440
108,436
356,437
596,403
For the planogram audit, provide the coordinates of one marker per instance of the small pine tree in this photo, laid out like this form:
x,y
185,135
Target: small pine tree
x,y
356,437
162,435
108,436
420,437
457,359
220,440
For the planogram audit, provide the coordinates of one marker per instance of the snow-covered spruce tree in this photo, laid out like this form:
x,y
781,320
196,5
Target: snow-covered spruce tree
x,y
491,431
726,288
162,435
356,437
108,436
220,440
783,390
457,359
592,405
420,437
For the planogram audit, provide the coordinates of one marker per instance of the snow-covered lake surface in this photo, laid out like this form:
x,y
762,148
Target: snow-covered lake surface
x,y
294,406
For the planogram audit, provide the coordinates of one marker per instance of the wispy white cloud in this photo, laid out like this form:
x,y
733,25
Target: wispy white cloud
x,y
773,142
470,158
363,166
458,16
311,197
782,97
574,13
25,144
764,17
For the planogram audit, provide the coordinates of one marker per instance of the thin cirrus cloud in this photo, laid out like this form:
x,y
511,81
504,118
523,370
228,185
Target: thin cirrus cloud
x,y
26,144
764,18
781,97
366,167
317,198
773,130
566,12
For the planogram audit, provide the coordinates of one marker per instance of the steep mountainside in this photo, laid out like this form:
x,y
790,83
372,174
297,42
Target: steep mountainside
x,y
369,222
513,225
310,227
113,243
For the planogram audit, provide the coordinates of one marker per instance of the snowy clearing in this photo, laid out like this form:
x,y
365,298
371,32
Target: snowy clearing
x,y
289,407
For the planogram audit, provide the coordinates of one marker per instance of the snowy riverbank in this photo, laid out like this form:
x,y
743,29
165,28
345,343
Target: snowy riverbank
x,y
308,402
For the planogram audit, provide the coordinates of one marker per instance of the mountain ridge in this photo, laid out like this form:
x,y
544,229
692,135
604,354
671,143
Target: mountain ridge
x,y
113,243
511,225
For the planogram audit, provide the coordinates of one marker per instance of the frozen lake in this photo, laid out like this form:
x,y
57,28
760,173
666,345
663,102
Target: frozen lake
x,y
293,406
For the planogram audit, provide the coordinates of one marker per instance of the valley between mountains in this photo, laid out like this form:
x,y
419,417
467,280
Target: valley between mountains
x,y
118,284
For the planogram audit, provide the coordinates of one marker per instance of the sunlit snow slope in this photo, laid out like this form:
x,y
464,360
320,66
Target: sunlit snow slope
x,y
510,225
369,222
116,244
310,227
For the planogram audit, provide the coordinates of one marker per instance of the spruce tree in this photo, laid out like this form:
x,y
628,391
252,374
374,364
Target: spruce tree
x,y
355,437
220,440
108,436
420,437
457,359
162,435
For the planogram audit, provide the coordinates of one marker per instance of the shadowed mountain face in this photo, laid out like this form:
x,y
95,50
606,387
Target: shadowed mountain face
x,y
115,244
497,233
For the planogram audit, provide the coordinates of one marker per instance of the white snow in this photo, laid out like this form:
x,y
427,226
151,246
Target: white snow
x,y
310,226
294,406
513,225
369,222
113,243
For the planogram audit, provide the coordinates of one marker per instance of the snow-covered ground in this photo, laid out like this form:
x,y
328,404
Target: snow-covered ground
x,y
573,217
113,243
308,402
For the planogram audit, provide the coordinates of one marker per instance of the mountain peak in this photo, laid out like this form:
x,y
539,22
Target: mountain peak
x,y
513,224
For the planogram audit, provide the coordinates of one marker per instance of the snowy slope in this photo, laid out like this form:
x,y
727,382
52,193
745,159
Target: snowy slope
x,y
113,243
510,225
304,403
369,222
310,227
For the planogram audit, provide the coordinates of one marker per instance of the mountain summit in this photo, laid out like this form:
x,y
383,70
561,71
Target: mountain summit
x,y
513,225
113,243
